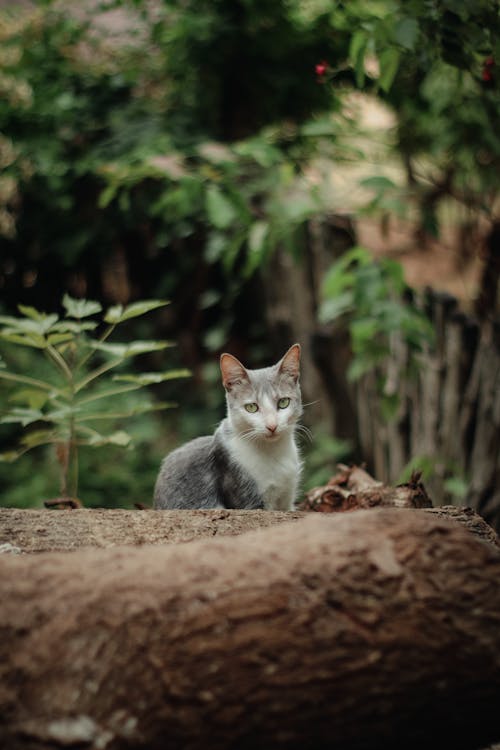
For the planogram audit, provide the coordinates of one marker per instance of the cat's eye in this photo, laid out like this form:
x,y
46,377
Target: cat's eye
x,y
283,403
251,408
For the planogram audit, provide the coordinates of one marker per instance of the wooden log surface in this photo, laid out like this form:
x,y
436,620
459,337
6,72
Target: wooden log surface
x,y
37,530
376,628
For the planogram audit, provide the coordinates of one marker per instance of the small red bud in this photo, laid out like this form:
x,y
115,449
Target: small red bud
x,y
489,62
487,75
321,68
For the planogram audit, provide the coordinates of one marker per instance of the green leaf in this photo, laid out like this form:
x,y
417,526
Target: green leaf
x,y
9,457
108,194
334,307
150,378
33,397
32,313
389,63
258,241
257,236
80,308
339,277
406,33
22,416
130,350
39,322
220,210
72,326
378,182
37,437
357,51
216,247
322,126
35,340
120,437
54,339
362,330
118,313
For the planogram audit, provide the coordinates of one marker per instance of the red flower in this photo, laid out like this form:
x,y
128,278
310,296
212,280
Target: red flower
x,y
321,68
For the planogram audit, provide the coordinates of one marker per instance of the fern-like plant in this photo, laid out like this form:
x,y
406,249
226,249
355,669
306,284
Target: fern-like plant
x,y
68,407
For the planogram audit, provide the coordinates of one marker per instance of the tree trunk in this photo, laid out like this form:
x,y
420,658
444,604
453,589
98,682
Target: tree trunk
x,y
292,315
370,629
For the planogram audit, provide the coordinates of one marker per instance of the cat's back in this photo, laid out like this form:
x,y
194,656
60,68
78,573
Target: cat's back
x,y
186,477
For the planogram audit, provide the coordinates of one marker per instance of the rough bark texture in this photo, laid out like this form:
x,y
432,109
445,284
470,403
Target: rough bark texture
x,y
362,630
44,531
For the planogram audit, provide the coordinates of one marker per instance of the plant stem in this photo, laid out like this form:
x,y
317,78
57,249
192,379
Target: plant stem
x,y
59,360
27,380
97,373
73,461
111,392
107,333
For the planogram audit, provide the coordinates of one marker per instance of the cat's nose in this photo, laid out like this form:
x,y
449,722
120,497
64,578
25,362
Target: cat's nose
x,y
271,428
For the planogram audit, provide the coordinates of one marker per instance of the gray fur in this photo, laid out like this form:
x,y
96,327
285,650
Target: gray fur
x,y
243,464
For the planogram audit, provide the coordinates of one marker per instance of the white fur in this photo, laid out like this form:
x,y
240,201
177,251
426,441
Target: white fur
x,y
274,465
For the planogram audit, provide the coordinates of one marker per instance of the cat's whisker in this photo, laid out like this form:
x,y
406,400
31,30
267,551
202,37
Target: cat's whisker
x,y
250,435
304,431
311,403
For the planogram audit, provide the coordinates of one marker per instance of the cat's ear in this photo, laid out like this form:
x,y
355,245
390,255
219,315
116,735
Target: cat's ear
x,y
290,364
232,371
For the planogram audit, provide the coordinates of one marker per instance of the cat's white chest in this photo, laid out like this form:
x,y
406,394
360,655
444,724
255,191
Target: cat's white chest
x,y
274,468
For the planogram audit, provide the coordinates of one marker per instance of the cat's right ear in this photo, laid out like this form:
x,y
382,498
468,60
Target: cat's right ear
x,y
232,371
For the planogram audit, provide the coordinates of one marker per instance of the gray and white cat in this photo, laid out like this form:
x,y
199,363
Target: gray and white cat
x,y
251,461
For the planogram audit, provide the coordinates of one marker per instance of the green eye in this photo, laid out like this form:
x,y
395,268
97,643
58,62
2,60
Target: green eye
x,y
251,408
283,403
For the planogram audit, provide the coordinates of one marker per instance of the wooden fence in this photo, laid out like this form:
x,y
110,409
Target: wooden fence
x,y
449,412
449,415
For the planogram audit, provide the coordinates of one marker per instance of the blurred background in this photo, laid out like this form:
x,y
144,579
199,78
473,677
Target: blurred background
x,y
315,171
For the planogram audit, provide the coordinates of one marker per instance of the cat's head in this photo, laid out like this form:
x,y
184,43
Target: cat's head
x,y
263,404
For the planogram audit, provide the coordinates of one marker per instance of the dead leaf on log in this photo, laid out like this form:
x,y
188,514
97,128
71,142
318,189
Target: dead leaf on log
x,y
352,488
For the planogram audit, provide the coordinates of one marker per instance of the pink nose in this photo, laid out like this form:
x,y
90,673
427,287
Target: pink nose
x,y
271,428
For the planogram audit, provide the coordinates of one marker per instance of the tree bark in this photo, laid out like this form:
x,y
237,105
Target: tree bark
x,y
32,530
361,630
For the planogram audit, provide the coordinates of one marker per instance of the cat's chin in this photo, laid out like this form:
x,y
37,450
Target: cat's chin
x,y
273,438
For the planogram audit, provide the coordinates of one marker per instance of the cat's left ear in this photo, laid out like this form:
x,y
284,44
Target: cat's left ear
x,y
232,371
290,364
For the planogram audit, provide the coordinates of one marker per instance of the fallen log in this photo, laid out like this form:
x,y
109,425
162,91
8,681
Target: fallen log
x,y
361,630
352,488
38,530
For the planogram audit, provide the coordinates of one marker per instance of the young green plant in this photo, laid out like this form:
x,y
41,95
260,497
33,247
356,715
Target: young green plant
x,y
82,388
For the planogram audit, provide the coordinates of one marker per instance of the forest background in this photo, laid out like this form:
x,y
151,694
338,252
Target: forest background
x,y
277,171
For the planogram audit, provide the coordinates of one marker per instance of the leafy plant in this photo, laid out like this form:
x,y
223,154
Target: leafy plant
x,y
370,297
83,385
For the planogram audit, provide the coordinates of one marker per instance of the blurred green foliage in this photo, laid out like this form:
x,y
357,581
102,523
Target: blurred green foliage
x,y
438,66
374,300
171,157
